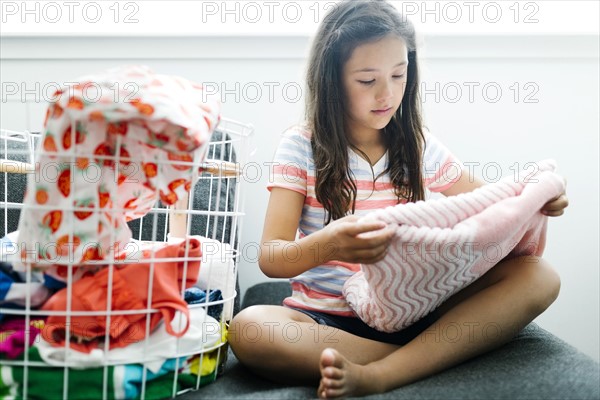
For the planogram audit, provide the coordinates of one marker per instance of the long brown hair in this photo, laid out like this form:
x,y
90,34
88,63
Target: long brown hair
x,y
348,25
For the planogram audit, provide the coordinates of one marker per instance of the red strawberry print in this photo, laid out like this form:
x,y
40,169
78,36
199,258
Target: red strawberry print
x,y
103,197
57,111
143,108
49,143
173,185
117,128
151,170
82,162
168,198
52,220
92,253
120,254
83,86
64,245
187,158
130,204
64,182
96,116
75,103
104,150
41,195
182,145
79,136
83,214
62,271
54,111
124,156
162,138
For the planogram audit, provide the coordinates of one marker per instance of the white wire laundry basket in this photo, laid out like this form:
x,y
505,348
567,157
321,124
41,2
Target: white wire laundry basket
x,y
159,365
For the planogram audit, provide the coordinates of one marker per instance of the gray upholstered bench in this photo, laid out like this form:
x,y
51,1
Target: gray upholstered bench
x,y
534,365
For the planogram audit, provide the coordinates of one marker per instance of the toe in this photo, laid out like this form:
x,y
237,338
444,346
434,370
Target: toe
x,y
332,393
321,392
333,373
328,383
328,358
331,357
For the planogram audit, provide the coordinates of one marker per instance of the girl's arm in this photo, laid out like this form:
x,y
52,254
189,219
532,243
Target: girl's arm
x,y
284,256
468,183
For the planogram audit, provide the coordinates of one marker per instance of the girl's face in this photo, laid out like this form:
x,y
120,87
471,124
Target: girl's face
x,y
374,81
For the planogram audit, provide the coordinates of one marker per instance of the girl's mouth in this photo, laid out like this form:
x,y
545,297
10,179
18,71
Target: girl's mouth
x,y
383,111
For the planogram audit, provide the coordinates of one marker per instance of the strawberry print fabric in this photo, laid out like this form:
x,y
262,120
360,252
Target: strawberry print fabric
x,y
112,145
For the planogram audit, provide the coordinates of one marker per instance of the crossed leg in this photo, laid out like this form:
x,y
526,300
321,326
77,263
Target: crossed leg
x,y
481,317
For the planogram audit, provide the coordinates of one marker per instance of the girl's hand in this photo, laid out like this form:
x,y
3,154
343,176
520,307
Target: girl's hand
x,y
357,242
556,207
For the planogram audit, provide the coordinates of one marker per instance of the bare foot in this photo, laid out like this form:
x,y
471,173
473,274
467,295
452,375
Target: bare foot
x,y
342,378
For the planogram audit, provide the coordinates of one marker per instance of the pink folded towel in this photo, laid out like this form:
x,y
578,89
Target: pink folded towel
x,y
443,245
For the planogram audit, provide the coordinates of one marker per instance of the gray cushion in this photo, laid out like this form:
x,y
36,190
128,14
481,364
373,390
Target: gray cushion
x,y
12,186
267,293
534,365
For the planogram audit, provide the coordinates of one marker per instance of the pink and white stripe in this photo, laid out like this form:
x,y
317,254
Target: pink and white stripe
x,y
443,245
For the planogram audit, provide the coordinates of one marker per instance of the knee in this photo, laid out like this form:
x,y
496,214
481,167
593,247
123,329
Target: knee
x,y
548,282
540,280
245,334
239,324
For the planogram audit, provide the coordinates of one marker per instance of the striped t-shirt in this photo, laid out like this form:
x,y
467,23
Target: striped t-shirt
x,y
293,168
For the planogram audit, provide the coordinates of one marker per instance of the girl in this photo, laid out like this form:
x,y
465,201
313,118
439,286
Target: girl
x,y
363,147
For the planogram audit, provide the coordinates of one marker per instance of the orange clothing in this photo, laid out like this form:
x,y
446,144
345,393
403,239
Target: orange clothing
x,y
129,291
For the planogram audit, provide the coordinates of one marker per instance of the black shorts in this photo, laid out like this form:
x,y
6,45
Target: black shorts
x,y
357,327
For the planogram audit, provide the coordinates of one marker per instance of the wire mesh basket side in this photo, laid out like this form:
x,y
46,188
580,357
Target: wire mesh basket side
x,y
213,213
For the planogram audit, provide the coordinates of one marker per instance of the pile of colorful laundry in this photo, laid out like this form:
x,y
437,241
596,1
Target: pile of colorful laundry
x,y
156,329
127,317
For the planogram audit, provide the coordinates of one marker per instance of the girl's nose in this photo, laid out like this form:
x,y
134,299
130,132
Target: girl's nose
x,y
385,92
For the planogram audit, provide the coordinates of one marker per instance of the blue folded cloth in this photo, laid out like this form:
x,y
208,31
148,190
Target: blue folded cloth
x,y
195,295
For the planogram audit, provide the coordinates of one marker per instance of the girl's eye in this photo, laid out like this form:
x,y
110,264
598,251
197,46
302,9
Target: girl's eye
x,y
367,82
398,76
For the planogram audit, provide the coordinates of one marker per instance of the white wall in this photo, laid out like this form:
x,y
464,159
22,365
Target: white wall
x,y
559,73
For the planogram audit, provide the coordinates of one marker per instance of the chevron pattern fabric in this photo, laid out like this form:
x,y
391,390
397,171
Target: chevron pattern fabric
x,y
443,245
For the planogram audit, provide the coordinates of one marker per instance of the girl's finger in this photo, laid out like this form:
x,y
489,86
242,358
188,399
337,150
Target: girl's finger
x,y
556,205
374,238
368,256
553,213
364,227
